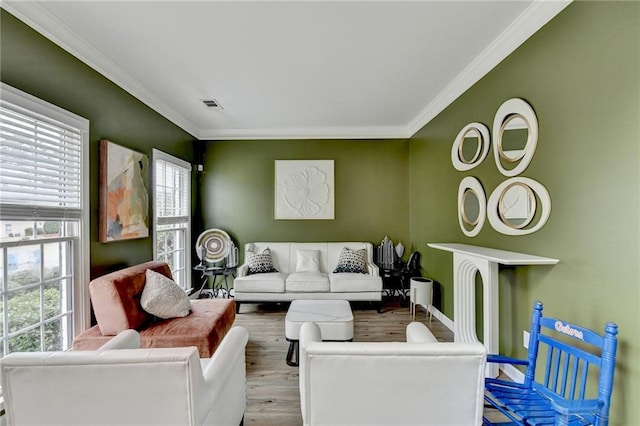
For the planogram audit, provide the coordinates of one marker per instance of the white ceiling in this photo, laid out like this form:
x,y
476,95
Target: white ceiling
x,y
291,69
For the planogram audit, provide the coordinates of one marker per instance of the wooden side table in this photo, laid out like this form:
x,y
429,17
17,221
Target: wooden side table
x,y
420,293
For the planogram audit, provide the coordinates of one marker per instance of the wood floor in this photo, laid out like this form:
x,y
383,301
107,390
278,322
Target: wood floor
x,y
272,386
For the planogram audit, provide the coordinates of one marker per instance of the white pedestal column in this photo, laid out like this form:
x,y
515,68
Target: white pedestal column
x,y
465,268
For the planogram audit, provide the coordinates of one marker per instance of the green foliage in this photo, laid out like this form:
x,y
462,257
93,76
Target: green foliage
x,y
24,311
28,232
51,227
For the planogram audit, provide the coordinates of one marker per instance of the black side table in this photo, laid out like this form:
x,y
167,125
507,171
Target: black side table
x,y
394,281
215,272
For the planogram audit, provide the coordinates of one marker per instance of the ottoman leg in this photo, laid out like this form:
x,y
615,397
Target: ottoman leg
x,y
293,354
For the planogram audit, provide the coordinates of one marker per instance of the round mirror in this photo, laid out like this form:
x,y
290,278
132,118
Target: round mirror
x,y
517,205
472,206
470,147
515,129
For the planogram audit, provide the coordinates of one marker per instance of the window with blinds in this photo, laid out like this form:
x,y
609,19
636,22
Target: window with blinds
x,y
172,215
44,223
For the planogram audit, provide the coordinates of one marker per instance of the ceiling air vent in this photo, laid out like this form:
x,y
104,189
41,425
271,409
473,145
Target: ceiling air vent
x,y
211,103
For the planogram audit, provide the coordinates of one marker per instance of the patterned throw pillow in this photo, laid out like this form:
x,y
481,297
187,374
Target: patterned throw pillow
x,y
353,261
260,263
164,298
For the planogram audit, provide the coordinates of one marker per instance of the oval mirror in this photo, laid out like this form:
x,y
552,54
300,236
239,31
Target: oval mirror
x,y
517,205
515,129
513,143
472,206
470,147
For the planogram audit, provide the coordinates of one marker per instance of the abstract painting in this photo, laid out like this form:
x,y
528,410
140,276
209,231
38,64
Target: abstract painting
x,y
124,194
304,189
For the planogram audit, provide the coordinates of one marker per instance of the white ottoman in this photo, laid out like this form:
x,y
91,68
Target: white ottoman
x,y
334,317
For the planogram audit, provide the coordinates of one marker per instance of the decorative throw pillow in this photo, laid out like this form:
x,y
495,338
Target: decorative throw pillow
x,y
260,263
308,261
164,298
354,261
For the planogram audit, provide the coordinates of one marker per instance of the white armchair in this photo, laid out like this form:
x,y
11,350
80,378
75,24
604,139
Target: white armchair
x,y
420,382
120,384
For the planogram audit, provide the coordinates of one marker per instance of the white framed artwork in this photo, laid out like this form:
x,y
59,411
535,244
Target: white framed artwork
x,y
304,189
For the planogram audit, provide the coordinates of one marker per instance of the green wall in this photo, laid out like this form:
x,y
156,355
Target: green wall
x,y
35,65
581,74
371,195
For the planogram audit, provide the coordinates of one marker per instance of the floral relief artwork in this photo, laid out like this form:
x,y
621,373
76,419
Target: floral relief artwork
x,y
304,189
124,195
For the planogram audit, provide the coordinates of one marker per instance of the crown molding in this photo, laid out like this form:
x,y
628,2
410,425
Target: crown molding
x,y
306,133
524,26
531,20
38,18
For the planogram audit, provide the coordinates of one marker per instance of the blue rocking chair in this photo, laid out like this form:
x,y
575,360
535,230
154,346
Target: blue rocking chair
x,y
559,391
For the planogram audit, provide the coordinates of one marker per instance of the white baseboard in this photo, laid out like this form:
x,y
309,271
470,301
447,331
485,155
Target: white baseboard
x,y
513,373
441,317
509,370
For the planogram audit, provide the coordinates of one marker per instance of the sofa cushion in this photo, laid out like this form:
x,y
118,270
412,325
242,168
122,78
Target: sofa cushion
x,y
260,263
352,261
115,297
348,282
205,328
272,282
307,261
164,298
307,282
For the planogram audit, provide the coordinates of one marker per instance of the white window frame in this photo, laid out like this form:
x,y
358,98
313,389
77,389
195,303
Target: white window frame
x,y
81,258
163,156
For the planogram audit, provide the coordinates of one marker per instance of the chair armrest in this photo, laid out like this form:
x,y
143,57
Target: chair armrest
x,y
417,332
373,269
506,360
567,407
310,332
227,353
224,377
243,270
126,339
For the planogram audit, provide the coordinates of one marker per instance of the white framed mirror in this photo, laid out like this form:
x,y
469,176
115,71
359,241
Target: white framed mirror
x,y
519,206
515,132
470,146
472,206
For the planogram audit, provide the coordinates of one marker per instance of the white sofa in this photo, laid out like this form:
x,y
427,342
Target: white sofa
x,y
418,382
120,384
288,284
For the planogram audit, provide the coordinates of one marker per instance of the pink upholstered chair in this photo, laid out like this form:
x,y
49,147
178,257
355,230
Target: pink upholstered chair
x,y
115,298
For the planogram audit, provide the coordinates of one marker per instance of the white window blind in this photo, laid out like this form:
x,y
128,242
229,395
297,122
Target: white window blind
x,y
172,215
41,162
173,202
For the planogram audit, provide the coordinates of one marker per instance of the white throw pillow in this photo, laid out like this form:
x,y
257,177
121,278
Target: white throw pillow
x,y
308,261
164,298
